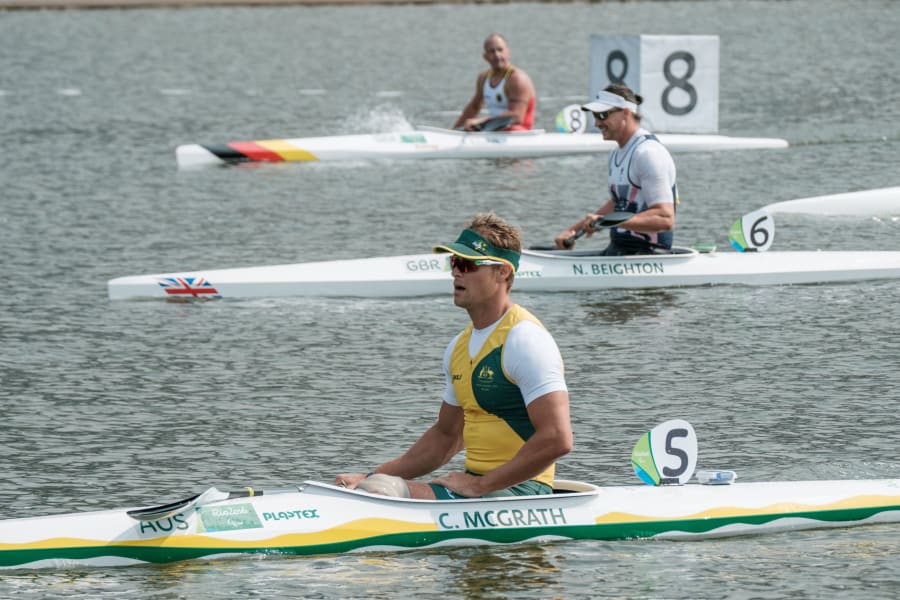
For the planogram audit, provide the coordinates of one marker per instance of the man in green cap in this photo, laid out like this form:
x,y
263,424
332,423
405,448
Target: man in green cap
x,y
505,401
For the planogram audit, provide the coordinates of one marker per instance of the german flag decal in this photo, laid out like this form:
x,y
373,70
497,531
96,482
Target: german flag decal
x,y
260,151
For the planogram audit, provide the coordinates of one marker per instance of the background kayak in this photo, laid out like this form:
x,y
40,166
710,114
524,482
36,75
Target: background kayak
x,y
441,143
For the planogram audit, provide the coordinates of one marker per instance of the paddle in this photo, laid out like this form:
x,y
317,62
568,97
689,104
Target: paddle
x,y
210,496
667,454
495,123
605,222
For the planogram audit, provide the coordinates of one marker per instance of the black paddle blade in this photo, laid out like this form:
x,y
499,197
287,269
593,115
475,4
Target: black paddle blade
x,y
612,219
496,124
155,513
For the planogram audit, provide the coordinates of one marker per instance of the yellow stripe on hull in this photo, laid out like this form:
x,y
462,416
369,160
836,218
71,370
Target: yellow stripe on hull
x,y
786,508
288,151
347,532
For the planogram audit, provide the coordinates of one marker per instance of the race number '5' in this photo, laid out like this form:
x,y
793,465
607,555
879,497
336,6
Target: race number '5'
x,y
667,454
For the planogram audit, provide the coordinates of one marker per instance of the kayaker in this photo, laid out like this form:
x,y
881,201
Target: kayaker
x,y
504,90
505,401
641,179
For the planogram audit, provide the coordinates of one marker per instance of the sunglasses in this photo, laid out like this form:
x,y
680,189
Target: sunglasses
x,y
464,265
601,116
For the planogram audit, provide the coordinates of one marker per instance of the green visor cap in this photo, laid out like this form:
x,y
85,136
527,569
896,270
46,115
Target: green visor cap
x,y
471,245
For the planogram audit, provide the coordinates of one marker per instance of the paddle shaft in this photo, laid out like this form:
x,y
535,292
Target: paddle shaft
x,y
604,222
494,124
155,513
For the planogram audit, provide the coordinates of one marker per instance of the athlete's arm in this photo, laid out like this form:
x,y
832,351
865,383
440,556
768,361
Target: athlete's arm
x,y
519,91
440,443
551,440
473,108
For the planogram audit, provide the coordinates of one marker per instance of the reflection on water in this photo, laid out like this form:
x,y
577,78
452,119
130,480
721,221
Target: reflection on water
x,y
622,306
494,572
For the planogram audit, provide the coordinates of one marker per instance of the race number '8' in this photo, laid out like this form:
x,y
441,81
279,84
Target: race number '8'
x,y
617,70
575,119
680,83
616,56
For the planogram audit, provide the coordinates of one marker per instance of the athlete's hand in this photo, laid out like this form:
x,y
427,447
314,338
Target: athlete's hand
x,y
349,480
462,484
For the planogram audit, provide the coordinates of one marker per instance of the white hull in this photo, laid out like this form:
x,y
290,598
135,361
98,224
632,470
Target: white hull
x,y
323,519
432,143
429,274
876,202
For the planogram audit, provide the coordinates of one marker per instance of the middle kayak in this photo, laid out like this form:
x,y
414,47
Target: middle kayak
x,y
431,142
539,271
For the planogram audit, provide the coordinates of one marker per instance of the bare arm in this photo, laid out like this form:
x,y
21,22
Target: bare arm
x,y
440,443
659,217
584,224
472,109
519,91
552,439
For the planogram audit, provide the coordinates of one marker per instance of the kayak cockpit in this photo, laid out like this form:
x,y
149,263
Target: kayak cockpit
x,y
676,251
561,487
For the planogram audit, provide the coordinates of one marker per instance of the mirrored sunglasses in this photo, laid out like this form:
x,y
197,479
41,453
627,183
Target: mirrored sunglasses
x,y
464,265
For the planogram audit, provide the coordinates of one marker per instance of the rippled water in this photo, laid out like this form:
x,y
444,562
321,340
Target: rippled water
x,y
108,404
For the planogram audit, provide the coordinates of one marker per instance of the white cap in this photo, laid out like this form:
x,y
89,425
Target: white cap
x,y
607,100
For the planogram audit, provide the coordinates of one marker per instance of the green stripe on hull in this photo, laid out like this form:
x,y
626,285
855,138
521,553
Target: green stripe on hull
x,y
612,531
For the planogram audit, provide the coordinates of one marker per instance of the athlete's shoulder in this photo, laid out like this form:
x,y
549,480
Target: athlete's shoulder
x,y
523,314
520,79
650,146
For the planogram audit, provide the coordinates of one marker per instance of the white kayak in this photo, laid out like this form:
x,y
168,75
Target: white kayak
x,y
318,518
428,142
539,271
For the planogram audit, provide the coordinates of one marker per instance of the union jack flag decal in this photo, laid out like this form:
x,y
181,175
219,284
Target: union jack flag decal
x,y
195,287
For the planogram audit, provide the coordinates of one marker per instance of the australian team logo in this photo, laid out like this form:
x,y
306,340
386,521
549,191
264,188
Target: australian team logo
x,y
485,374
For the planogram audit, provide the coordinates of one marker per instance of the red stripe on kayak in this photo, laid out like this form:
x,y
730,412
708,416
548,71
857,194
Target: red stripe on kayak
x,y
254,151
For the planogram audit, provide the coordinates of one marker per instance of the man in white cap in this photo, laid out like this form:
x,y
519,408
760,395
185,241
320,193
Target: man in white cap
x,y
641,179
505,400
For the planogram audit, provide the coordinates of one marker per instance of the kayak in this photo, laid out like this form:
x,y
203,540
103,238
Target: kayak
x,y
318,518
539,271
432,143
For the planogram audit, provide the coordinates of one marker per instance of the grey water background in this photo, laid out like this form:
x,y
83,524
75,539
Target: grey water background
x,y
106,404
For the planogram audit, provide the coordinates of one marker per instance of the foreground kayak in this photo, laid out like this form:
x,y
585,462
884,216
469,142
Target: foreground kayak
x,y
427,142
539,271
318,518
